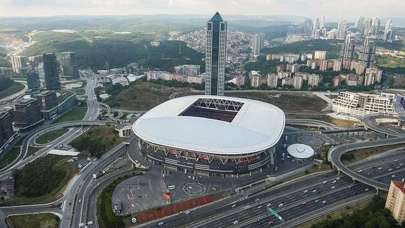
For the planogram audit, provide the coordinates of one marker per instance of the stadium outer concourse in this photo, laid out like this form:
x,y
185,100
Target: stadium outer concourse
x,y
211,135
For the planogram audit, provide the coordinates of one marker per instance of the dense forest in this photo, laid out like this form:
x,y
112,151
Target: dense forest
x,y
39,177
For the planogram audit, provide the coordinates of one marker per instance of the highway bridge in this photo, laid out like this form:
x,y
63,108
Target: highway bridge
x,y
336,153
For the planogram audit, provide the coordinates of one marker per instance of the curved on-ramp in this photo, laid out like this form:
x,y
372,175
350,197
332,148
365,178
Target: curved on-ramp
x,y
336,153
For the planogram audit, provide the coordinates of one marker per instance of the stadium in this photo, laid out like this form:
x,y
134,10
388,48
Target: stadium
x,y
211,135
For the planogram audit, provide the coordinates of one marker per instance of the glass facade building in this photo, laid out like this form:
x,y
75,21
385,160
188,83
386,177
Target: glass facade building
x,y
215,58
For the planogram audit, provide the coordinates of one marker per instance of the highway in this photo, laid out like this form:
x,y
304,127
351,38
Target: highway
x,y
304,197
77,201
335,157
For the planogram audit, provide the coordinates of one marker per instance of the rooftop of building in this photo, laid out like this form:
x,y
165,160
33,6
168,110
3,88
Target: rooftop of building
x,y
400,185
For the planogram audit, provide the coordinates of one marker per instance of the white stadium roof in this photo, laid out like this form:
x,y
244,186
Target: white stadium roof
x,y
257,126
300,151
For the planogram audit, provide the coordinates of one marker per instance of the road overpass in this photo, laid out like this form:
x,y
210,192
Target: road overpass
x,y
336,153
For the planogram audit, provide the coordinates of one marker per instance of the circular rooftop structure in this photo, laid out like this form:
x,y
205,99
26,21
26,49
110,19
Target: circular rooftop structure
x,y
212,125
300,151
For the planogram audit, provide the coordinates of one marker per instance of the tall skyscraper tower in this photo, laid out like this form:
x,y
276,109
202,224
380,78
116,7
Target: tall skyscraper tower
x,y
69,65
342,29
367,53
347,52
215,58
388,31
257,44
316,29
51,72
375,25
33,81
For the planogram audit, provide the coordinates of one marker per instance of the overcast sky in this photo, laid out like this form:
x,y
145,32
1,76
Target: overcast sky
x,y
332,9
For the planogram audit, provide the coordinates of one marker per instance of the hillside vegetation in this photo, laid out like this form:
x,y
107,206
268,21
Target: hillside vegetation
x,y
96,141
99,50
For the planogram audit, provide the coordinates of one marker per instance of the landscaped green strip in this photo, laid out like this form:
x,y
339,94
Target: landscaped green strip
x,y
50,136
77,113
34,221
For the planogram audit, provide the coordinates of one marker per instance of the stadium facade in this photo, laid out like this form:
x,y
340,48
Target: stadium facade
x,y
211,135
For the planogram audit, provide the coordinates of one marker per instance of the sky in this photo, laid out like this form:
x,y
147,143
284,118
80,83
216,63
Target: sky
x,y
332,9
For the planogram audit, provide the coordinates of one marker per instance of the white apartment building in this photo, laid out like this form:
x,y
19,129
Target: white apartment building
x,y
298,82
272,80
320,55
255,79
313,80
373,75
360,104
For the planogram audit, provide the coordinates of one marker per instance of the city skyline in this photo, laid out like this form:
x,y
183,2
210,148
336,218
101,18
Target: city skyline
x,y
334,10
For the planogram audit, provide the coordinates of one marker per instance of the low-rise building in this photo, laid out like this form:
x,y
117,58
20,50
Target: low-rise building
x,y
352,79
187,70
124,131
360,104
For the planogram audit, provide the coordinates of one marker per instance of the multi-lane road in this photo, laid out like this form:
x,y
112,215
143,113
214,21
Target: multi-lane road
x,y
294,201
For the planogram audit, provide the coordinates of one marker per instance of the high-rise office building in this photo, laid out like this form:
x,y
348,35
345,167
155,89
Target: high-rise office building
x,y
215,58
367,27
342,30
51,71
360,24
48,99
19,63
307,27
347,53
70,64
33,81
367,53
375,26
257,44
388,31
316,29
27,113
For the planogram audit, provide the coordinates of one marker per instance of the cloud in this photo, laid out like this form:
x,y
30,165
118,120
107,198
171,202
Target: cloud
x,y
311,8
